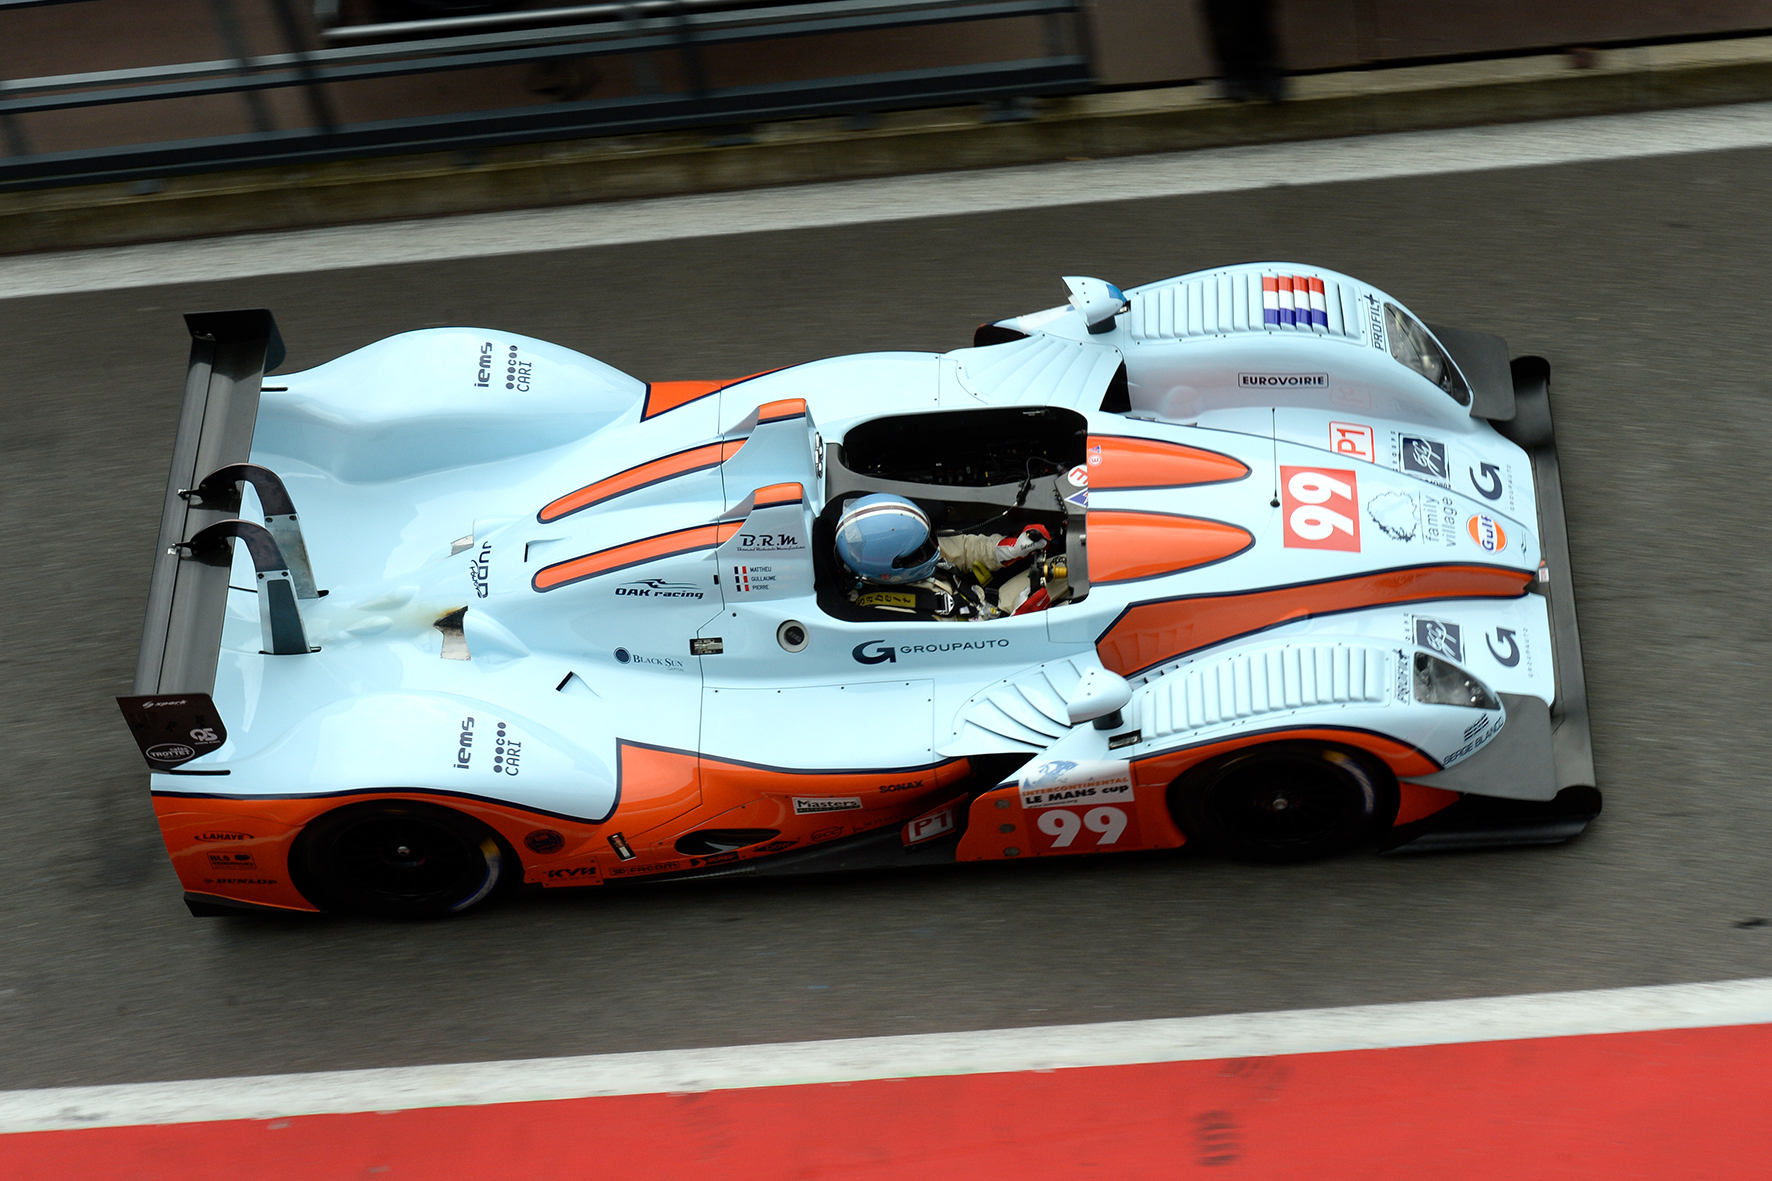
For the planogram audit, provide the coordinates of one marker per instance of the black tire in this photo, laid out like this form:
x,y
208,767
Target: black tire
x,y
1285,801
399,859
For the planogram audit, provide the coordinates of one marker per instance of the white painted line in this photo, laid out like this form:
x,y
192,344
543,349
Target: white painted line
x,y
1241,1035
1214,170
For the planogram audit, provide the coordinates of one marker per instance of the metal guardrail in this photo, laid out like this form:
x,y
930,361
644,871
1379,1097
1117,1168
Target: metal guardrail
x,y
685,28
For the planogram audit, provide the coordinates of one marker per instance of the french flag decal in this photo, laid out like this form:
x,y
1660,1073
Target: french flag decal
x,y
1293,301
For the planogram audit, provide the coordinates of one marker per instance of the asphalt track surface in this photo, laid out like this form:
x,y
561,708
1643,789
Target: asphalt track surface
x,y
1642,280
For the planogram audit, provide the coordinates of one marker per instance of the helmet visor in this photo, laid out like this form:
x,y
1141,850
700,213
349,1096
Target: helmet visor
x,y
916,557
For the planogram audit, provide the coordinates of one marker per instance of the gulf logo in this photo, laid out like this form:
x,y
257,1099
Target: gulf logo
x,y
1487,532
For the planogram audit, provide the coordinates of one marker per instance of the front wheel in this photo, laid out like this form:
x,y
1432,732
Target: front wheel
x,y
398,859
1285,801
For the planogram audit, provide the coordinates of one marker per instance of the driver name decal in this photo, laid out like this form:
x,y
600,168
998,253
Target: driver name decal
x,y
1319,508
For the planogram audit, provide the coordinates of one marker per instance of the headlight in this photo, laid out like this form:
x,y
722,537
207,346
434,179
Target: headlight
x,y
1411,344
1440,683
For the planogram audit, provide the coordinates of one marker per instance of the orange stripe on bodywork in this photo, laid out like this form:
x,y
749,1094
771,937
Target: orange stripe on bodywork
x,y
666,793
1117,461
778,411
1420,801
206,835
668,395
1160,770
1126,545
778,494
652,472
1147,634
633,553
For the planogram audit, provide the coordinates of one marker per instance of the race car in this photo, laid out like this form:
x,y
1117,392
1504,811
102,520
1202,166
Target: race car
x,y
463,610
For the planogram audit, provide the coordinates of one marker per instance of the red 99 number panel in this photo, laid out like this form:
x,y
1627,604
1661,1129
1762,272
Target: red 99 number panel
x,y
1320,508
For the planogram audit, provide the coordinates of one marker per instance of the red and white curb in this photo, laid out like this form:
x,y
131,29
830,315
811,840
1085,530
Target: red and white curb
x,y
1669,1081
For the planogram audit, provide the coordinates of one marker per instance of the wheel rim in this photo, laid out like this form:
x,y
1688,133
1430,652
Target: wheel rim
x,y
1289,804
409,862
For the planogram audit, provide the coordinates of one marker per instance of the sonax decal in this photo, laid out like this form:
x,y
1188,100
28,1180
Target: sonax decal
x,y
1320,508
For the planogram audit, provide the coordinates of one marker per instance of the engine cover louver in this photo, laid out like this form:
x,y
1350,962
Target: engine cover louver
x,y
1214,305
1253,683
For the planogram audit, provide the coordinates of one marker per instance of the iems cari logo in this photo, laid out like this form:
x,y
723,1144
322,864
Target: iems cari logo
x,y
1320,508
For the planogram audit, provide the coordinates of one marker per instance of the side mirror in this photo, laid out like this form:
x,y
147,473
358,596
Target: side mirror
x,y
1099,302
1099,697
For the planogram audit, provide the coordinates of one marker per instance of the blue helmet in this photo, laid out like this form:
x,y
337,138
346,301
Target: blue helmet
x,y
887,539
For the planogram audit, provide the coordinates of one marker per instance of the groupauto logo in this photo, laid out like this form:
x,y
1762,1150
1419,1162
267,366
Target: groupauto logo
x,y
886,652
170,752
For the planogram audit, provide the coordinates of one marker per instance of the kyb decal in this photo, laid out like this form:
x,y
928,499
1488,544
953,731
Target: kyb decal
x,y
1440,637
1352,440
816,805
1320,508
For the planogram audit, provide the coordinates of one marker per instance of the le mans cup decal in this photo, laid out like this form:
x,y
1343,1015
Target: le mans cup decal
x,y
1320,508
1487,532
1079,806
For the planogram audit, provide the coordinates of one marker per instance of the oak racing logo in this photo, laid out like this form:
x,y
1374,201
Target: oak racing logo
x,y
659,588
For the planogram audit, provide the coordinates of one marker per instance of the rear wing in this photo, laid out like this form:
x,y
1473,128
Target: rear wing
x,y
170,712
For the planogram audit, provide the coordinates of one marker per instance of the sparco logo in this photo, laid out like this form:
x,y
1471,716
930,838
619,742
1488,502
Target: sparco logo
x,y
1286,379
658,588
480,569
884,651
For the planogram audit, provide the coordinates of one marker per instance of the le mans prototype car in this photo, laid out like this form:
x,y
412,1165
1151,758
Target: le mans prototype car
x,y
464,609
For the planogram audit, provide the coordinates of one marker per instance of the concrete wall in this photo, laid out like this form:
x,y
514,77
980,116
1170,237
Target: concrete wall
x,y
1145,42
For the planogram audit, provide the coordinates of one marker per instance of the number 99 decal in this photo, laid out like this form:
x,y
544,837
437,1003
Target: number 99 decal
x,y
1087,830
1320,508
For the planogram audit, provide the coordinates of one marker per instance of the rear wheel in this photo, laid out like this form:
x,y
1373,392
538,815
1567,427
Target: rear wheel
x,y
399,859
1286,801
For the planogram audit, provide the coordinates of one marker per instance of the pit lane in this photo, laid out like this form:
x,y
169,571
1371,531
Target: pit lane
x,y
1642,281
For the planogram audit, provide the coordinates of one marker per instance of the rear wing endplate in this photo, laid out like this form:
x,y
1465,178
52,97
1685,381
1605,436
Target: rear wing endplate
x,y
188,595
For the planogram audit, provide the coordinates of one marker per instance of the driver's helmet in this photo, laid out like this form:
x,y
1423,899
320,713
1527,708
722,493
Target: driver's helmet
x,y
887,539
